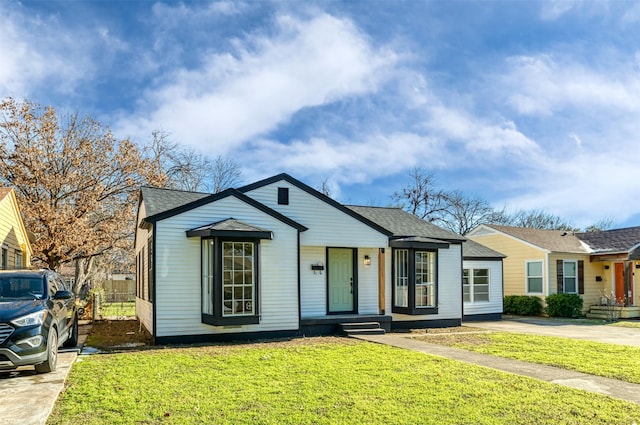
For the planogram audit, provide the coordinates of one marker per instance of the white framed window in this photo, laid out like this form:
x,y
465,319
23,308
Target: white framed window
x,y
229,281
570,276
475,285
415,281
208,275
534,276
425,279
238,284
401,278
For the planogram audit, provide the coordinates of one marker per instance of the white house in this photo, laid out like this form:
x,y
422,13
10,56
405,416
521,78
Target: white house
x,y
278,258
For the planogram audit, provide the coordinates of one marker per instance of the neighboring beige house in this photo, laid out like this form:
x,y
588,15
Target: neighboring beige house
x,y
603,267
616,253
543,262
15,247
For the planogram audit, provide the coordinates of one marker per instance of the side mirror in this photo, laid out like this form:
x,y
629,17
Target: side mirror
x,y
63,295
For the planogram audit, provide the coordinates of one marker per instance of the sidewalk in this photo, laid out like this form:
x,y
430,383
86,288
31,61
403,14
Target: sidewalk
x,y
582,381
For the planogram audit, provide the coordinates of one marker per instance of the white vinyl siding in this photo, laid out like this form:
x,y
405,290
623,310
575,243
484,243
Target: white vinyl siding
x,y
367,282
313,284
494,305
178,271
328,226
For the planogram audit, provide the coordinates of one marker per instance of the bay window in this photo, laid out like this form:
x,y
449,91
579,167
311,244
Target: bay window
x,y
229,281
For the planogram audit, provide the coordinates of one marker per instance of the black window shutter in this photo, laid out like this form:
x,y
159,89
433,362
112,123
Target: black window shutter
x,y
560,264
580,276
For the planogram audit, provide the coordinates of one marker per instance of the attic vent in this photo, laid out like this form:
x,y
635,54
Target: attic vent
x,y
283,196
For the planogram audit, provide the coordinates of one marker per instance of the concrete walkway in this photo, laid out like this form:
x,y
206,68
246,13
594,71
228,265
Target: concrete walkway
x,y
27,398
607,334
582,381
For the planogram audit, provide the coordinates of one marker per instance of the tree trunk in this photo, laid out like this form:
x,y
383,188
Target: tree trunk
x,y
84,270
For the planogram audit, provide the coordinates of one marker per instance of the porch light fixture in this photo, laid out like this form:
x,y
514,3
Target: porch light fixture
x,y
367,260
606,267
637,265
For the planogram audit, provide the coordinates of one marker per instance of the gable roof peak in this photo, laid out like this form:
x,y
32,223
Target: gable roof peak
x,y
551,240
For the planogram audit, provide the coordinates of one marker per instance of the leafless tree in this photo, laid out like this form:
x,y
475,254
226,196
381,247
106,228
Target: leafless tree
x,y
324,188
422,197
226,173
463,213
602,224
185,168
534,219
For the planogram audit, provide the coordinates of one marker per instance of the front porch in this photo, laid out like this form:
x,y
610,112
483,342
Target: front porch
x,y
330,324
612,312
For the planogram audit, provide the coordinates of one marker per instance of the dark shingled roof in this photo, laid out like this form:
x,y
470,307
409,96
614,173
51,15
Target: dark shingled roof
x,y
158,200
616,240
403,224
231,225
472,249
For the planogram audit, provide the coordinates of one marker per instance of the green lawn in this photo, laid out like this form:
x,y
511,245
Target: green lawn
x,y
315,381
626,324
613,361
118,309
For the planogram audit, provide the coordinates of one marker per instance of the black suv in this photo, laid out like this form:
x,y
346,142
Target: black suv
x,y
37,315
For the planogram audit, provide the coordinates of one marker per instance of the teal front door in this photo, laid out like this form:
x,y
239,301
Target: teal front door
x,y
341,283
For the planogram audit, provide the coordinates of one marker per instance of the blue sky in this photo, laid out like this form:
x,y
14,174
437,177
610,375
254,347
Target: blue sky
x,y
532,105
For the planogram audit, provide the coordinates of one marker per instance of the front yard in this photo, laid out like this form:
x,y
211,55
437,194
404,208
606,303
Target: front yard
x,y
315,381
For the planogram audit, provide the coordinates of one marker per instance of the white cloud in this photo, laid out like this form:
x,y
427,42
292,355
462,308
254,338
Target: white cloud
x,y
236,96
541,86
632,15
41,57
477,135
554,9
345,161
586,187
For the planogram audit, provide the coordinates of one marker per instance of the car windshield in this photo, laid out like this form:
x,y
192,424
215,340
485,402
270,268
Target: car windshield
x,y
21,287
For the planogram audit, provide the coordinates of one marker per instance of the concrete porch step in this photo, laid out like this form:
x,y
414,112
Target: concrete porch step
x,y
359,325
356,332
361,328
594,315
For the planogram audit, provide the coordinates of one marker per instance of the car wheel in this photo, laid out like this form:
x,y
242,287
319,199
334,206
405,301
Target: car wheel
x,y
50,364
73,336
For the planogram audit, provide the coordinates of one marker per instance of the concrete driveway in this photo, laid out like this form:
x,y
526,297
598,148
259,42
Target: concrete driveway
x,y
564,328
26,397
